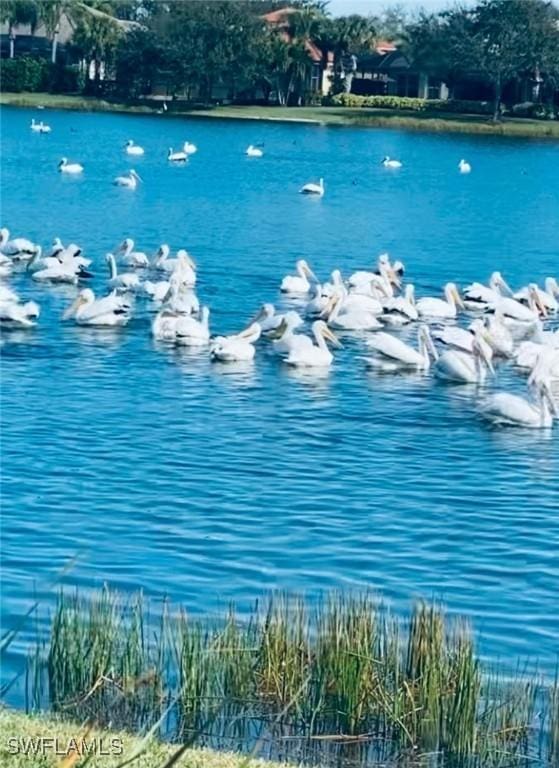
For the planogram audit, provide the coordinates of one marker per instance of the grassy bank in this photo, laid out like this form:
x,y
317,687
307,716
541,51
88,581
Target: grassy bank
x,y
20,734
341,682
337,116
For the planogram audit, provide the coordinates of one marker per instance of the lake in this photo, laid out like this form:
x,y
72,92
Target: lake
x,y
158,470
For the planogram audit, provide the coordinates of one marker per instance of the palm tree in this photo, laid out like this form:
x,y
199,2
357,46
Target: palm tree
x,y
16,12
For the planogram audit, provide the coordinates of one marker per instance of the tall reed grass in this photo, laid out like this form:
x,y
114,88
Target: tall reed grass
x,y
340,680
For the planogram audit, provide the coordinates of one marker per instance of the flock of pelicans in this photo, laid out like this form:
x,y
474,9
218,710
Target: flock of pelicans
x,y
502,324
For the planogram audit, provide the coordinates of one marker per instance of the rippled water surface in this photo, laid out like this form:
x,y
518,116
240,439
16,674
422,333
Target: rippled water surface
x,y
165,472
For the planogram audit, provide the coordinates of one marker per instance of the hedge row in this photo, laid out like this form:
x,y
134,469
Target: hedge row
x,y
407,103
29,74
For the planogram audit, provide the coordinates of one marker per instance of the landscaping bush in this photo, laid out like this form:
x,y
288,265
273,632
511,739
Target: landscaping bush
x,y
410,104
23,74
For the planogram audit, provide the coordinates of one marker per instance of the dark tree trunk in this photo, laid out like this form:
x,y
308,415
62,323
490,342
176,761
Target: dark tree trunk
x,y
497,99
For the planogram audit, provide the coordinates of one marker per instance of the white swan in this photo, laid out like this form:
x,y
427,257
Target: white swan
x,y
191,332
65,167
19,249
133,149
313,189
396,354
176,157
314,355
253,151
126,281
111,310
345,318
130,257
129,180
440,308
189,149
236,348
298,284
464,167
389,163
503,408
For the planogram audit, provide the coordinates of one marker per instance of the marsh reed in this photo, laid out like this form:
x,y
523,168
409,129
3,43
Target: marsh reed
x,y
339,680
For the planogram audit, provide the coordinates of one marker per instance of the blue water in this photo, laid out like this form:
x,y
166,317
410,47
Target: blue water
x,y
162,471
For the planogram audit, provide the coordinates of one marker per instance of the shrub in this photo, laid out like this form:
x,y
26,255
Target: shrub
x,y
410,104
23,74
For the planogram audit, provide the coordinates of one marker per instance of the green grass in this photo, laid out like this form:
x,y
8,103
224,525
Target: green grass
x,y
151,754
335,116
309,683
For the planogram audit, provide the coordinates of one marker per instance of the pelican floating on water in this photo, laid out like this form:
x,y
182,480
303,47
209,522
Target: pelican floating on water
x,y
182,263
440,308
111,310
40,127
389,163
191,332
19,249
298,284
176,157
129,180
253,151
313,189
464,368
130,257
15,313
478,296
394,354
548,297
133,149
65,167
504,408
315,355
345,318
126,281
236,348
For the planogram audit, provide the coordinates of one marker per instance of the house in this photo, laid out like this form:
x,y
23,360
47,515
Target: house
x,y
387,72
322,71
21,40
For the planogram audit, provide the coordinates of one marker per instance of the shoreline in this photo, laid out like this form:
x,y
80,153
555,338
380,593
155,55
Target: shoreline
x,y
38,741
318,116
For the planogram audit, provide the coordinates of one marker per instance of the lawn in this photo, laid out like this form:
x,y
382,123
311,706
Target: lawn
x,y
336,116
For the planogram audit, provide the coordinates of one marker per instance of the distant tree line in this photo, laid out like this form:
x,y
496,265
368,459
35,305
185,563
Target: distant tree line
x,y
190,48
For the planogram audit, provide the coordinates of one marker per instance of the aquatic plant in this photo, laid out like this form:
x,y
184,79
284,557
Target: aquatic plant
x,y
341,679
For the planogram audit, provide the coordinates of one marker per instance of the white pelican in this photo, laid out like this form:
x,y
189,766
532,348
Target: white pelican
x,y
313,189
38,262
236,348
400,310
16,314
133,149
20,248
111,310
189,149
253,151
317,304
350,319
298,284
129,180
464,167
191,332
314,355
384,270
440,308
283,337
164,326
176,157
464,368
180,297
65,167
183,263
514,312
58,273
126,281
396,354
36,126
388,163
268,319
130,257
512,410
548,296
498,336
479,296
460,338
158,291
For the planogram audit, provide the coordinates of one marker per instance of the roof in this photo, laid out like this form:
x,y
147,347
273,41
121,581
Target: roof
x,y
280,18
